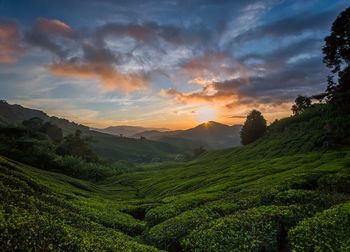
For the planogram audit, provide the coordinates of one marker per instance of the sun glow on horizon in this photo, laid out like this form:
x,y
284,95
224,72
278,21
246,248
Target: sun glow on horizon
x,y
206,114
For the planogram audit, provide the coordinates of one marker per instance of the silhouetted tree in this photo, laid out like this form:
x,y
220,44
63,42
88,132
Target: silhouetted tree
x,y
301,104
319,97
337,58
253,128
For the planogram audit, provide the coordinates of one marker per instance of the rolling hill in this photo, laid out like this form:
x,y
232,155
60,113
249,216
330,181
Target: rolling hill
x,y
141,146
289,191
211,135
107,146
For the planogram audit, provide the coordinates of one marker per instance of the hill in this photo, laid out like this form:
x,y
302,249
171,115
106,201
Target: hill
x,y
211,135
273,195
108,146
14,114
128,131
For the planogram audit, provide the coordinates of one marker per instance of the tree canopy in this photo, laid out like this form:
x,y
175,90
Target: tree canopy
x,y
301,104
337,58
253,128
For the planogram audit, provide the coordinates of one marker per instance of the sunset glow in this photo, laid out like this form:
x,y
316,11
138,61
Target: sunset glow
x,y
95,63
206,114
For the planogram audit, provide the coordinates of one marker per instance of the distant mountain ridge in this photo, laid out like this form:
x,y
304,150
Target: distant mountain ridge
x,y
212,135
128,131
159,143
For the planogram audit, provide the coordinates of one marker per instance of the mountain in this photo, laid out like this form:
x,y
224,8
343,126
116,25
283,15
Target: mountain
x,y
127,131
108,146
15,114
211,135
158,143
272,195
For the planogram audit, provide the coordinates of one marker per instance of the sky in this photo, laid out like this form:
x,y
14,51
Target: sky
x,y
170,64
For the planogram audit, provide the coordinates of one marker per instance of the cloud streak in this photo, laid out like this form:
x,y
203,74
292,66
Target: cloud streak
x,y
10,42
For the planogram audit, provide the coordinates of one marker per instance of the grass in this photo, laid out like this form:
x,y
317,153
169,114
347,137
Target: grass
x,y
273,195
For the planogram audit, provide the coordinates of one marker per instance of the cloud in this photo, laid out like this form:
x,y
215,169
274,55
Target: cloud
x,y
200,97
277,86
110,77
279,56
10,42
153,34
85,58
212,67
55,27
52,35
290,25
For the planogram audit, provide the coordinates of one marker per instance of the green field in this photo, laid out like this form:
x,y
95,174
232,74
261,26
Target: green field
x,y
284,192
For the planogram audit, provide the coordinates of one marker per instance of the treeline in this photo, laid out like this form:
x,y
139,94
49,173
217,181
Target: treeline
x,y
42,144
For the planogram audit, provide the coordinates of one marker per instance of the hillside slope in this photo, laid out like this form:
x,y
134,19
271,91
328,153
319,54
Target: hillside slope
x,y
108,146
272,195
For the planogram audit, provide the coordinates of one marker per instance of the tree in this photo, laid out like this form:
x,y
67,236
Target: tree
x,y
33,125
53,132
253,128
337,58
301,104
76,145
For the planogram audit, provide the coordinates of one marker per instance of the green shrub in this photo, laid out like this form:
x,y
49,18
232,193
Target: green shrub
x,y
317,198
175,207
339,182
167,235
326,231
256,229
34,218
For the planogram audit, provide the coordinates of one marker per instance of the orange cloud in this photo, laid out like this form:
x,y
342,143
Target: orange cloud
x,y
55,27
201,97
110,77
10,47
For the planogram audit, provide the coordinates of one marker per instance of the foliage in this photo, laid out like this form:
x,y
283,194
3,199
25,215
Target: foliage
x,y
36,125
167,235
326,231
337,58
33,217
301,104
32,145
224,200
256,229
253,128
76,145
